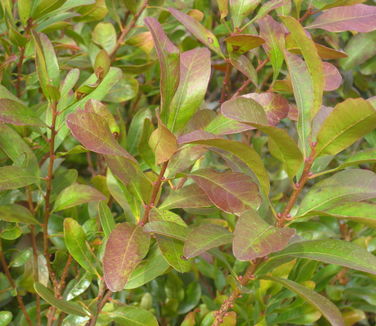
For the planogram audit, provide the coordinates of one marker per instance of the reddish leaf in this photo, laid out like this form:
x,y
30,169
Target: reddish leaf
x,y
242,43
254,238
233,192
360,18
333,78
244,65
127,245
205,237
17,114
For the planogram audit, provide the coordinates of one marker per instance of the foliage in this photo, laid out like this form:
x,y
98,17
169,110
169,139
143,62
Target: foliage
x,y
187,163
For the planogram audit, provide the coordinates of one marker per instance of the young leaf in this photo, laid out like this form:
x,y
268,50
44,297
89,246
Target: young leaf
x,y
231,192
168,55
347,185
104,34
132,316
75,240
77,194
16,213
199,31
71,308
254,238
241,43
205,237
349,121
17,114
125,248
332,251
333,78
326,307
195,71
106,218
13,177
360,18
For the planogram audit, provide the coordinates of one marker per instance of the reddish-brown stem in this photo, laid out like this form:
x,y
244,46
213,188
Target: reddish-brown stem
x,y
100,306
154,194
226,81
127,29
13,285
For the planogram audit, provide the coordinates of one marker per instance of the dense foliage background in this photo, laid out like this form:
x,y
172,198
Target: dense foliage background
x,y
187,163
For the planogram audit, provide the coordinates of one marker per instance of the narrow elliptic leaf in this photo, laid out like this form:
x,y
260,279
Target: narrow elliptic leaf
x,y
240,9
312,59
163,142
333,251
75,240
168,55
172,251
232,192
347,185
222,125
70,308
333,78
16,213
360,18
349,121
191,196
77,194
92,131
244,65
150,268
199,31
195,68
132,316
205,237
106,218
242,43
104,34
13,177
125,248
15,113
245,153
168,229
254,238
322,304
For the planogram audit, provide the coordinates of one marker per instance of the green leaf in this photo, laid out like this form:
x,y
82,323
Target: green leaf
x,y
45,7
17,114
106,218
77,194
205,237
126,246
332,251
242,43
232,192
326,307
13,177
125,90
195,69
75,240
104,34
5,317
350,120
16,213
240,9
254,238
347,185
168,229
199,31
133,316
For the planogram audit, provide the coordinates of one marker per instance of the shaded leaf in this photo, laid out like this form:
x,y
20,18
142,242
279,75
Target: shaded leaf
x,y
205,237
244,65
359,17
254,238
16,213
75,240
106,218
77,194
13,177
17,114
326,307
127,245
233,192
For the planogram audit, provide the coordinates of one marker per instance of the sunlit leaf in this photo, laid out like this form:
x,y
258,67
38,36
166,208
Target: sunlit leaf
x,y
133,316
240,9
16,213
13,177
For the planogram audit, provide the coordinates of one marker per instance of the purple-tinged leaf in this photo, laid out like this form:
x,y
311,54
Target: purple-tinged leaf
x,y
232,192
92,131
254,238
276,106
199,31
244,65
167,229
242,43
77,194
16,113
240,9
191,196
127,245
333,78
13,177
168,55
205,237
360,18
222,125
163,143
245,153
195,71
322,304
344,186
333,251
349,121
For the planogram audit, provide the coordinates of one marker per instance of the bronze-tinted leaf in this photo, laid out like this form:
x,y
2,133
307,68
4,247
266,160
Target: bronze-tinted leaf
x,y
333,78
242,43
16,113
